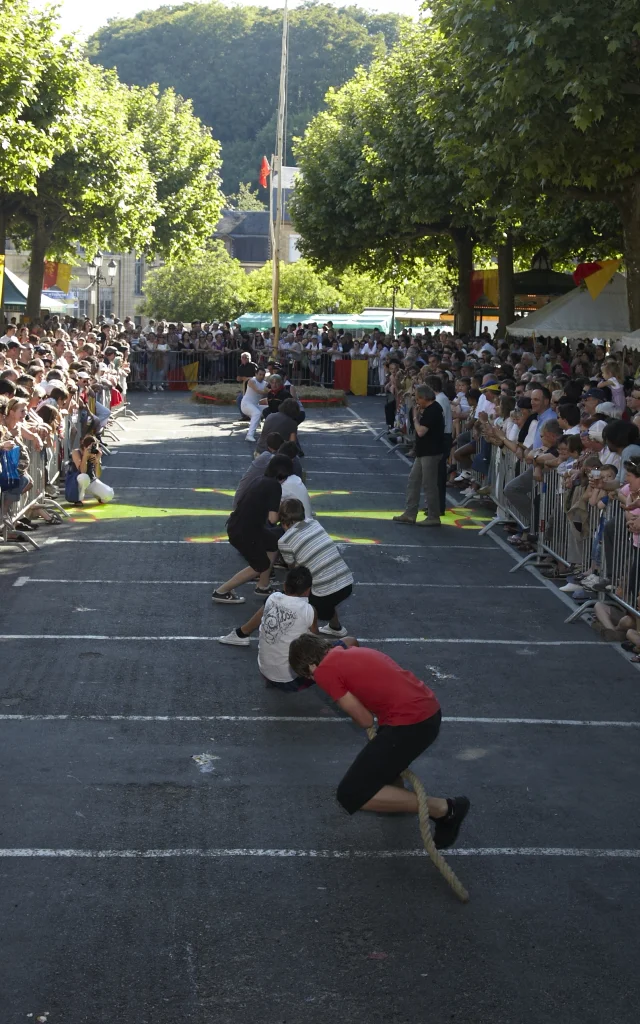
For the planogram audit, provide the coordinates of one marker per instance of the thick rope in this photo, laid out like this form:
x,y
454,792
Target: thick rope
x,y
425,831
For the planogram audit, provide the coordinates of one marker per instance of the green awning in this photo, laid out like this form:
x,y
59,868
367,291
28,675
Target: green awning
x,y
264,321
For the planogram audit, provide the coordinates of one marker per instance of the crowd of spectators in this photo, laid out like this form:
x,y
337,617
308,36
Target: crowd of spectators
x,y
306,352
60,383
549,433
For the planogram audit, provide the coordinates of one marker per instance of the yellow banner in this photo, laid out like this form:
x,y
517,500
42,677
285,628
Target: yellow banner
x,y
191,375
596,282
359,375
490,286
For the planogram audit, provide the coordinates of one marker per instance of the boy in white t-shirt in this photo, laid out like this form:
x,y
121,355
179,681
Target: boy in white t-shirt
x,y
283,619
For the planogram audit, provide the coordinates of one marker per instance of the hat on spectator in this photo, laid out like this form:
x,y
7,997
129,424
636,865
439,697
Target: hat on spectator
x,y
596,393
596,430
490,387
83,376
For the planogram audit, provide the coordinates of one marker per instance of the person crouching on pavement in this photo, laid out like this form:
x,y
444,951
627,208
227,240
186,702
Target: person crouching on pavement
x,y
305,542
250,531
373,689
283,619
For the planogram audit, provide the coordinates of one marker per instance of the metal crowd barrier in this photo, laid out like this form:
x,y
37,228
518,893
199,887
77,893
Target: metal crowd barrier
x,y
570,540
44,469
176,370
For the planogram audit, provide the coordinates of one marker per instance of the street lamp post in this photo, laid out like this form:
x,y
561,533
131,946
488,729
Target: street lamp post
x,y
95,276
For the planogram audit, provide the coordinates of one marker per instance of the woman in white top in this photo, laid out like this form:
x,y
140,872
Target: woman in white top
x,y
250,405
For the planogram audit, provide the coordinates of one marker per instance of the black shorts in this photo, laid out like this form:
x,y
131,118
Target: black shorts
x,y
254,549
326,606
384,759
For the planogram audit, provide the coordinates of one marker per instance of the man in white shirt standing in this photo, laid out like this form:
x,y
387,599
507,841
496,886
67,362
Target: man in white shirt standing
x,y
256,388
435,383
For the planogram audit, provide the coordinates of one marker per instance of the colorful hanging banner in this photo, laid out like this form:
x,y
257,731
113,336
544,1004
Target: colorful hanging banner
x,y
351,375
484,282
56,275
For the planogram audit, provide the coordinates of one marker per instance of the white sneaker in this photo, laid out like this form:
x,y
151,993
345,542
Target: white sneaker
x,y
464,475
570,588
328,631
251,440
234,640
468,492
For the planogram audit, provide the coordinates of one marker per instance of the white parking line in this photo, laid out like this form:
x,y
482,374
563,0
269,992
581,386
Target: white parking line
x,y
221,853
323,719
364,640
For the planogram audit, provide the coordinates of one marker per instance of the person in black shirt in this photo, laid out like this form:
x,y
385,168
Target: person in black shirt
x,y
428,420
249,532
286,422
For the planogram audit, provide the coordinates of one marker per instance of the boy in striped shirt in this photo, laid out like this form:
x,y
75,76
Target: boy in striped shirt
x,y
305,542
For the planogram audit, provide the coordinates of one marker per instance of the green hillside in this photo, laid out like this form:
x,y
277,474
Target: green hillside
x,y
227,59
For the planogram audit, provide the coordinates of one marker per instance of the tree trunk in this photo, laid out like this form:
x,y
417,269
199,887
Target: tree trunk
x,y
505,286
464,320
39,243
630,209
4,224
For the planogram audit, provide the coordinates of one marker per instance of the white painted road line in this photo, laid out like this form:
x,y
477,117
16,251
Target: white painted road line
x,y
183,469
22,580
349,543
364,640
323,719
220,854
235,455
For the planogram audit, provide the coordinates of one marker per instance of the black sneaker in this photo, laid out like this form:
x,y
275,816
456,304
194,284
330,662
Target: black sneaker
x,y
447,828
229,598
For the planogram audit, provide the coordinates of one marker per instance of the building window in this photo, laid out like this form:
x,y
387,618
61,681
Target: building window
x,y
138,276
106,302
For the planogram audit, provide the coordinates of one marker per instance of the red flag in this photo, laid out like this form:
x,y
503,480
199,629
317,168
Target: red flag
x,y
265,171
585,270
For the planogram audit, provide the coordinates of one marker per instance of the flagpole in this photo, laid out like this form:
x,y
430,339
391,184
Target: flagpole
x,y
277,169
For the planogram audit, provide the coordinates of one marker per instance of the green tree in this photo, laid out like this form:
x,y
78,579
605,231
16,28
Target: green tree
x,y
245,199
303,289
38,99
373,193
227,59
206,285
542,100
97,192
184,161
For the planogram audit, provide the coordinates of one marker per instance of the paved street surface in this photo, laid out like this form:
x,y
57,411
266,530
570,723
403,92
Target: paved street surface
x,y
137,888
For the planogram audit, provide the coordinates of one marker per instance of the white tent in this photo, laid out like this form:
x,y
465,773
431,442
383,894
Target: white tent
x,y
628,341
577,315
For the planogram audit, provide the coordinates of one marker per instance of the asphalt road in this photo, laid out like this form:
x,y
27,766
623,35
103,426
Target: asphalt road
x,y
138,889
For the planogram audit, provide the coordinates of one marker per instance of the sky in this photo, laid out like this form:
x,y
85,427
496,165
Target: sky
x,y
80,17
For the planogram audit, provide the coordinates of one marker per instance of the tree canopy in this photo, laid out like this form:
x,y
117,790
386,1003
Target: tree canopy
x,y
208,284
226,59
373,192
37,93
532,100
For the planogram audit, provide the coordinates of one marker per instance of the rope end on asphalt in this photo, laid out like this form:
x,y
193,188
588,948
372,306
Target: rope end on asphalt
x,y
425,831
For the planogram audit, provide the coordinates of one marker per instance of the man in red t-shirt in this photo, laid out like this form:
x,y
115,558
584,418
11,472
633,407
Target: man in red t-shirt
x,y
370,686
